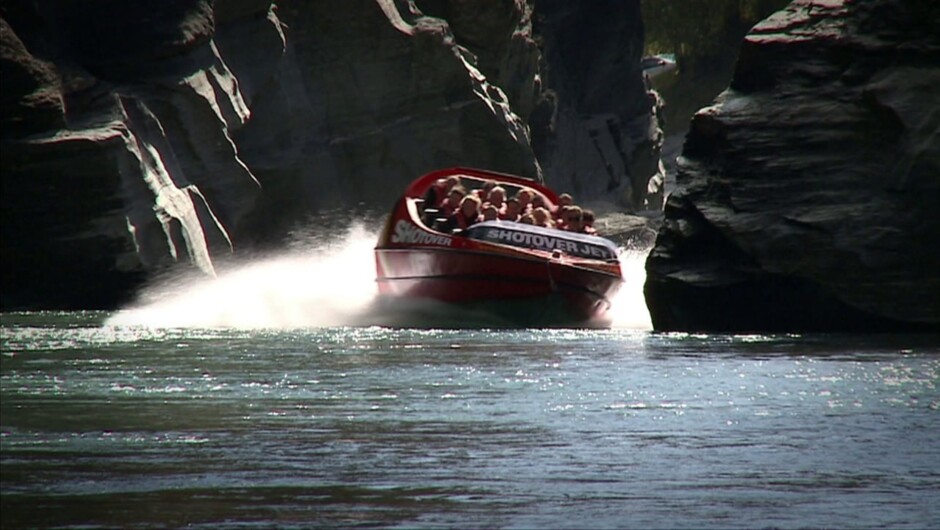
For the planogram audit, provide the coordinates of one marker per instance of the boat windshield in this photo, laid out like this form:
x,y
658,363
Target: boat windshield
x,y
541,238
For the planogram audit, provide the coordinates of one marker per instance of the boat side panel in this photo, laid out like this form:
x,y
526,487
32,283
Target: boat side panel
x,y
402,270
454,276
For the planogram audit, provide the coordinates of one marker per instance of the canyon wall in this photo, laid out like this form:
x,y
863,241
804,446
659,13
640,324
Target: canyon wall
x,y
137,137
809,193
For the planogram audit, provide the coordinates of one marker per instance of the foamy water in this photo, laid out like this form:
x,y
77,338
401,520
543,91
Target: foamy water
x,y
319,285
628,309
329,285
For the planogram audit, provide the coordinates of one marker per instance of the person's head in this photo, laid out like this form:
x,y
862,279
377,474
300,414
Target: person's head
x,y
470,206
490,213
487,186
541,216
527,219
456,195
538,200
588,217
573,218
451,182
565,199
512,209
525,197
497,196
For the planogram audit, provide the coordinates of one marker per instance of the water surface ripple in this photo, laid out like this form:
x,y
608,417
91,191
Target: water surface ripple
x,y
123,426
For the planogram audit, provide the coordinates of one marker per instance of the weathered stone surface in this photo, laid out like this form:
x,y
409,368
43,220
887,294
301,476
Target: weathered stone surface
x,y
31,99
138,137
142,173
499,34
388,94
597,132
809,193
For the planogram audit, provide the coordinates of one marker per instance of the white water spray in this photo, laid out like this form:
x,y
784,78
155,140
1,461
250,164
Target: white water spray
x,y
628,308
327,285
331,285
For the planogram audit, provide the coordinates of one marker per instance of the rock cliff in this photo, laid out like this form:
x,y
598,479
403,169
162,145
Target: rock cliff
x,y
136,137
601,139
809,193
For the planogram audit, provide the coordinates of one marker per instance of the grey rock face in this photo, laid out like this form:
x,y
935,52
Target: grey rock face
x,y
387,94
809,193
596,131
139,137
143,172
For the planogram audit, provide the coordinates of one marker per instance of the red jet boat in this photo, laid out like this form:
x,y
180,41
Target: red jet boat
x,y
515,274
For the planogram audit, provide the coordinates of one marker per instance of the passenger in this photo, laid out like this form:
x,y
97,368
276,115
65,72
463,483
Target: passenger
x,y
538,201
561,221
437,194
524,196
483,193
542,217
587,220
497,198
512,211
490,213
527,219
468,214
564,200
574,219
453,201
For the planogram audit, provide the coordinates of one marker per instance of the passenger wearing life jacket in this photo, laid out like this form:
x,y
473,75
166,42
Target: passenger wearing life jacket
x,y
564,200
467,215
538,201
497,198
524,196
561,218
574,219
454,196
483,193
542,217
437,193
587,222
490,213
512,211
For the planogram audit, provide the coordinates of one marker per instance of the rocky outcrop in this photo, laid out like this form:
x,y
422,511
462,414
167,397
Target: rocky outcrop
x,y
138,170
596,129
809,193
138,137
374,94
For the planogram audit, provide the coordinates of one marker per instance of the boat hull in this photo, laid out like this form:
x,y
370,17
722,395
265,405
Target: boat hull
x,y
516,289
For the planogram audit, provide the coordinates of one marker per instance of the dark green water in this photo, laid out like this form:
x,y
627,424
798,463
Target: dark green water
x,y
141,427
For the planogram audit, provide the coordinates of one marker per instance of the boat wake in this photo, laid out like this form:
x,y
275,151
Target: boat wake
x,y
628,309
321,284
315,285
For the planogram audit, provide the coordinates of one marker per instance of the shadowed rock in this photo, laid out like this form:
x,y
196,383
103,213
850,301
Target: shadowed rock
x,y
809,193
596,132
139,137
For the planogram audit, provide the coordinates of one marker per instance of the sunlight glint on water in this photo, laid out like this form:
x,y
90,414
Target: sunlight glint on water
x,y
314,287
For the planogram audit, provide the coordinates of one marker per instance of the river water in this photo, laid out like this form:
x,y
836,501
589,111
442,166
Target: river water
x,y
256,400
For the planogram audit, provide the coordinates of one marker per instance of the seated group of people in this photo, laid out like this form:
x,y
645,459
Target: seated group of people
x,y
461,208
